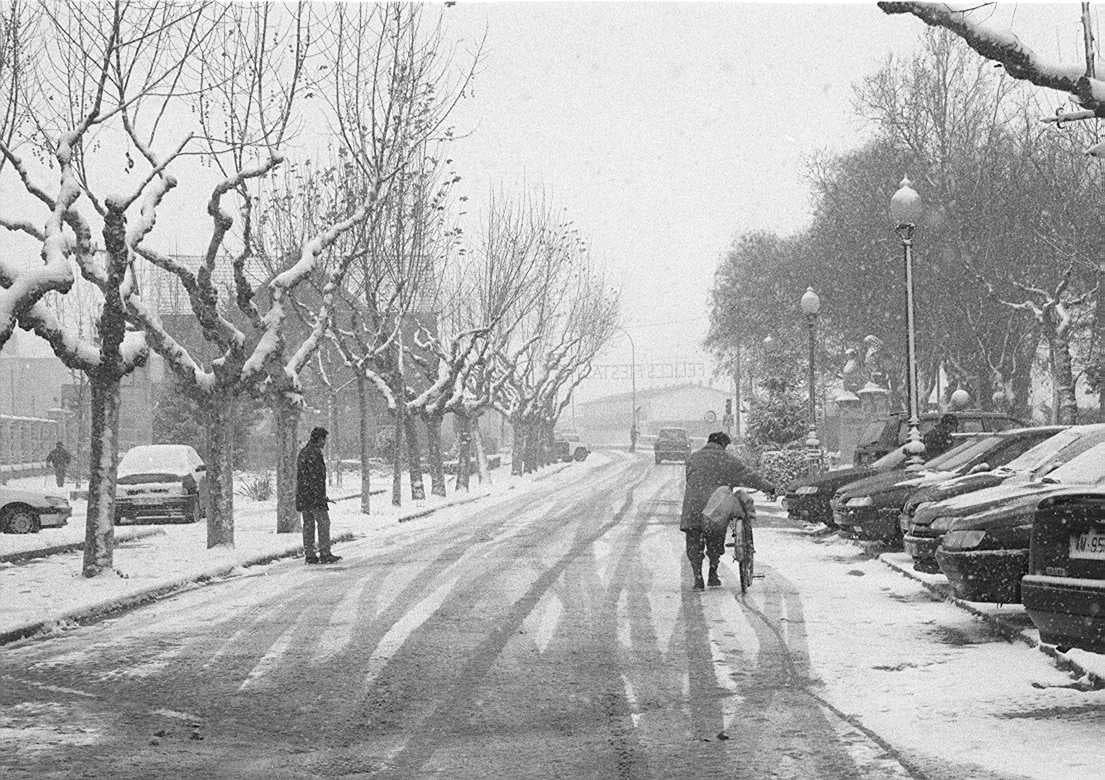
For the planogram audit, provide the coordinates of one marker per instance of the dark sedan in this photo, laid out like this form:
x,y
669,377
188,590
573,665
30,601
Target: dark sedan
x,y
1064,588
921,539
985,554
871,508
809,499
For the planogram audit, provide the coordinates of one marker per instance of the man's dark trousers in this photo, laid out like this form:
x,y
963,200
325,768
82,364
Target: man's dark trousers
x,y
313,518
700,543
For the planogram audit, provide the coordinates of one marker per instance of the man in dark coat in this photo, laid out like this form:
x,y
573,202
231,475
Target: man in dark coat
x,y
311,499
939,439
708,469
58,459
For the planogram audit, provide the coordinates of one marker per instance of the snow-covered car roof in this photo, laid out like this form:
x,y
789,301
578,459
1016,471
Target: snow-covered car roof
x,y
170,458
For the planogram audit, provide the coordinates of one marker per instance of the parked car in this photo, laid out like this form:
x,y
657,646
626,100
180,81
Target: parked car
x,y
882,436
568,446
1063,589
808,499
672,444
920,537
871,508
984,553
161,483
27,511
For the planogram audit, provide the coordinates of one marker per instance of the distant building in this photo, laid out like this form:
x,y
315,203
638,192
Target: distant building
x,y
607,420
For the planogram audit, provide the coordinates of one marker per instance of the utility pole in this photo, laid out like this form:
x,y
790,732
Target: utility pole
x,y
737,394
1087,40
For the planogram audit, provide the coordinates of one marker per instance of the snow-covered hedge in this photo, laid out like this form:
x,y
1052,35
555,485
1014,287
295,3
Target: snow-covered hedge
x,y
783,466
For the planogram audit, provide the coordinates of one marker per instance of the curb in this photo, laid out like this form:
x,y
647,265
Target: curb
x,y
154,592
42,552
1005,628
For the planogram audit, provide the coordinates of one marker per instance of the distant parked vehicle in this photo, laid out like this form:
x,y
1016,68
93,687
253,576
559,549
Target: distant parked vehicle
x,y
569,446
871,508
882,436
1064,588
808,498
672,444
161,483
24,511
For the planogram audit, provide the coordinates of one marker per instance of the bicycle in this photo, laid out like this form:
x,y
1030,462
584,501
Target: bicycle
x,y
744,550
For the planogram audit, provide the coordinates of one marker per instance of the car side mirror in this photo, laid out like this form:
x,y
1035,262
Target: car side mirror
x,y
979,467
201,467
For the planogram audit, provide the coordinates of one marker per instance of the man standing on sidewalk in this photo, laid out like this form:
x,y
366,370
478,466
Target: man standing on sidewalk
x,y
708,469
58,459
311,499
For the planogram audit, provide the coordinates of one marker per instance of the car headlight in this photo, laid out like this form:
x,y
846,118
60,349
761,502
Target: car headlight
x,y
859,501
963,540
57,501
941,523
806,490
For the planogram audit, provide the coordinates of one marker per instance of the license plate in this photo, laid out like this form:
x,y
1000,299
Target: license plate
x,y
1090,545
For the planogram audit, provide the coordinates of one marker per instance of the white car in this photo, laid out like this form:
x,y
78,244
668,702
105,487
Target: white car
x,y
161,483
28,511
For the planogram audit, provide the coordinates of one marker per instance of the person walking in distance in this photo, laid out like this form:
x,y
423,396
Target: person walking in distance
x,y
939,440
311,500
708,469
58,459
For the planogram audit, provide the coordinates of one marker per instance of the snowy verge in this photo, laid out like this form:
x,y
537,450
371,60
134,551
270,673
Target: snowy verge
x,y
1011,620
45,594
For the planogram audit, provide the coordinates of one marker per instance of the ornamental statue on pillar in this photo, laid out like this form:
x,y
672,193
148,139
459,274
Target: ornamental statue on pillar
x,y
874,395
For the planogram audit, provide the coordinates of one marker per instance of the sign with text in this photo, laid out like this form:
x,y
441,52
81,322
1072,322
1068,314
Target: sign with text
x,y
687,370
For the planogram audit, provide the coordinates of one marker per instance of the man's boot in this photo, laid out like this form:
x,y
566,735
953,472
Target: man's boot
x,y
698,583
714,581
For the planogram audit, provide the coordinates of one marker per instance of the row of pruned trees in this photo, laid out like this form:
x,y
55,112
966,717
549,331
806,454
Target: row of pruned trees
x,y
1007,258
125,120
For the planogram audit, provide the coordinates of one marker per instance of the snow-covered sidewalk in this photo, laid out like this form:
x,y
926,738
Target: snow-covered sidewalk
x,y
45,593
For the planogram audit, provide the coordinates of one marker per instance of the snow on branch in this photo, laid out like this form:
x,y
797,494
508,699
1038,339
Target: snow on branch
x,y
1020,61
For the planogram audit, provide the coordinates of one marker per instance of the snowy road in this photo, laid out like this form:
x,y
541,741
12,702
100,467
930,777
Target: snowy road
x,y
551,635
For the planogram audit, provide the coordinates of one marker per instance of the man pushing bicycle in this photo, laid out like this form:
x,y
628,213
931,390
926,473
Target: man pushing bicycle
x,y
708,469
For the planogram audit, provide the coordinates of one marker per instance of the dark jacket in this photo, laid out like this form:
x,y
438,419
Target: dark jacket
x,y
937,441
59,458
708,469
310,479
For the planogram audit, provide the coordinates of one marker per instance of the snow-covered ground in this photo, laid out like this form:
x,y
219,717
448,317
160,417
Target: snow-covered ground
x,y
926,675
49,588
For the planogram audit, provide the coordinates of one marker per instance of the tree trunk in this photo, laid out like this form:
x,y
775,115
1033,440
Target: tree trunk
x,y
1062,374
414,460
221,412
481,456
464,450
518,452
529,436
99,536
433,454
397,460
365,442
333,445
286,415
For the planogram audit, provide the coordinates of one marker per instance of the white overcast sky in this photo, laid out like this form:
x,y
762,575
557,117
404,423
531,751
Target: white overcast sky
x,y
668,128
664,129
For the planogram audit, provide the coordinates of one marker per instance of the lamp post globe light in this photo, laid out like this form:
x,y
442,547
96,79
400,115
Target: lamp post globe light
x,y
810,305
905,211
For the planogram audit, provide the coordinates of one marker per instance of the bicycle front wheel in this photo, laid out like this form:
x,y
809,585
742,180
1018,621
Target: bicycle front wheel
x,y
747,558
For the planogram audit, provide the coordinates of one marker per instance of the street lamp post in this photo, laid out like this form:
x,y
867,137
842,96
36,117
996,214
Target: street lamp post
x,y
633,432
810,305
905,210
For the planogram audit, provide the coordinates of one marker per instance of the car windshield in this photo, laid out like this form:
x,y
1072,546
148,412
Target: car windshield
x,y
1046,451
890,460
962,454
1085,469
672,433
139,460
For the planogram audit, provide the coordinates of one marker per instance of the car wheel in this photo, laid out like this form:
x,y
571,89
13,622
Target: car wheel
x,y
659,460
581,454
19,519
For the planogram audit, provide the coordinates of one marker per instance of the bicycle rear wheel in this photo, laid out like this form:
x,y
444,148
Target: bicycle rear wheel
x,y
746,559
